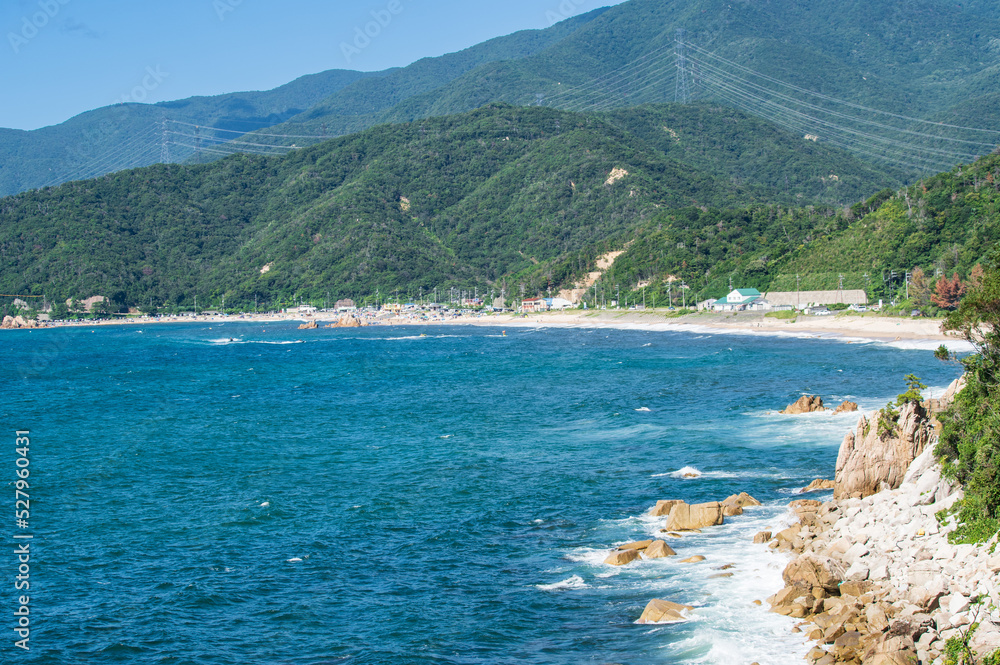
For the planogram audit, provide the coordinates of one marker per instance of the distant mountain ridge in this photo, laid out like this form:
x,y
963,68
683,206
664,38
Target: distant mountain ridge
x,y
919,62
469,200
133,135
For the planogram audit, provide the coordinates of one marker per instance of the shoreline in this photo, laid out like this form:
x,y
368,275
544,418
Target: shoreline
x,y
845,327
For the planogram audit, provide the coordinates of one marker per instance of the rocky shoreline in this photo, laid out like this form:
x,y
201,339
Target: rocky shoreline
x,y
874,578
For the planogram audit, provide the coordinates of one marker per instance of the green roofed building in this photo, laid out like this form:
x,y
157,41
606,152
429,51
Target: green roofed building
x,y
741,299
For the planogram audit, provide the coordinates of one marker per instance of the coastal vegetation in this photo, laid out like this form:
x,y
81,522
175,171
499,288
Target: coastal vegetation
x,y
970,440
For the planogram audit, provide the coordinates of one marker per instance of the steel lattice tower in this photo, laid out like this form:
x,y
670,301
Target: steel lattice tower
x,y
682,87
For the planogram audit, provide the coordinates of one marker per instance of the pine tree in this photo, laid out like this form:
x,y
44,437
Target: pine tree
x,y
948,292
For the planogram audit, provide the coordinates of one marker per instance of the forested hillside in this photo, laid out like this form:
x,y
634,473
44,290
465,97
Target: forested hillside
x,y
467,200
876,77
943,226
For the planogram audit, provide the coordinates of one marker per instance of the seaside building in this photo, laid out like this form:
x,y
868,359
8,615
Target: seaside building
x,y
346,305
801,299
742,300
534,305
558,303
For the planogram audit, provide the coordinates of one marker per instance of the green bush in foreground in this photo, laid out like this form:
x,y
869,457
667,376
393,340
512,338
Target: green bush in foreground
x,y
970,440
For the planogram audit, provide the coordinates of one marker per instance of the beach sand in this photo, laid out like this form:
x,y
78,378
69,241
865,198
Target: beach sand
x,y
867,326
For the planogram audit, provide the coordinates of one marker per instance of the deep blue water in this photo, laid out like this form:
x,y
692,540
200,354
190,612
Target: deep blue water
x,y
376,496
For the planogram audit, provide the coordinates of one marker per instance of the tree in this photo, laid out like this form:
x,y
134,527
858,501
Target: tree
x,y
919,291
976,276
948,292
969,445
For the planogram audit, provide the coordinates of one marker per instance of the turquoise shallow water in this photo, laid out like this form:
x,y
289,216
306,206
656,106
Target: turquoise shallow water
x,y
377,496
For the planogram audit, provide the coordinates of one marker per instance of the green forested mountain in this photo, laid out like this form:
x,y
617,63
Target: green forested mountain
x,y
467,200
933,60
131,135
944,224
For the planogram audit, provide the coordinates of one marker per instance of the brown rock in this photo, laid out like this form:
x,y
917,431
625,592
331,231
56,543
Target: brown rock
x,y
846,407
805,404
762,537
312,325
684,517
638,545
731,510
869,460
622,557
661,611
663,507
742,500
854,588
818,485
720,575
346,321
693,559
812,570
658,549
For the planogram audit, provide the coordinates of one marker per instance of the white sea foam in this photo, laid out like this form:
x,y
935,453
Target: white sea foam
x,y
955,346
574,582
687,473
644,409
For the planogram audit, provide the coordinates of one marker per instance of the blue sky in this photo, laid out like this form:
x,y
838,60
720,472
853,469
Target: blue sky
x,y
63,57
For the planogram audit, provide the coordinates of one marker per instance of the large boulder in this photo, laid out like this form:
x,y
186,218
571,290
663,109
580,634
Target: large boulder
x,y
812,570
805,404
663,507
312,325
658,550
622,557
346,321
742,500
846,407
874,457
685,517
663,611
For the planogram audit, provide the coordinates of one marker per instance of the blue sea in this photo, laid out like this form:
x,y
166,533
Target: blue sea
x,y
250,493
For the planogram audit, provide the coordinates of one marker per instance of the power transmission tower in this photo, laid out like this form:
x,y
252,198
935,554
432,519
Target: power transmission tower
x,y
682,86
164,147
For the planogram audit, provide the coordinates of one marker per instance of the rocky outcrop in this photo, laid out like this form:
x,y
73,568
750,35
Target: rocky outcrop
x,y
658,550
663,507
622,557
347,321
877,455
663,611
17,322
875,579
846,407
805,404
684,517
818,485
312,325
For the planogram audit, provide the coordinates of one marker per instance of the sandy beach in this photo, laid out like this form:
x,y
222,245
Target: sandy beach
x,y
852,326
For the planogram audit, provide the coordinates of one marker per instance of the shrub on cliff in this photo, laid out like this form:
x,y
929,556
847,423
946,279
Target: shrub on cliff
x,y
970,439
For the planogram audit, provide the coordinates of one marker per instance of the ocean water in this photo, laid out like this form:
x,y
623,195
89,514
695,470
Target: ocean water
x,y
247,493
